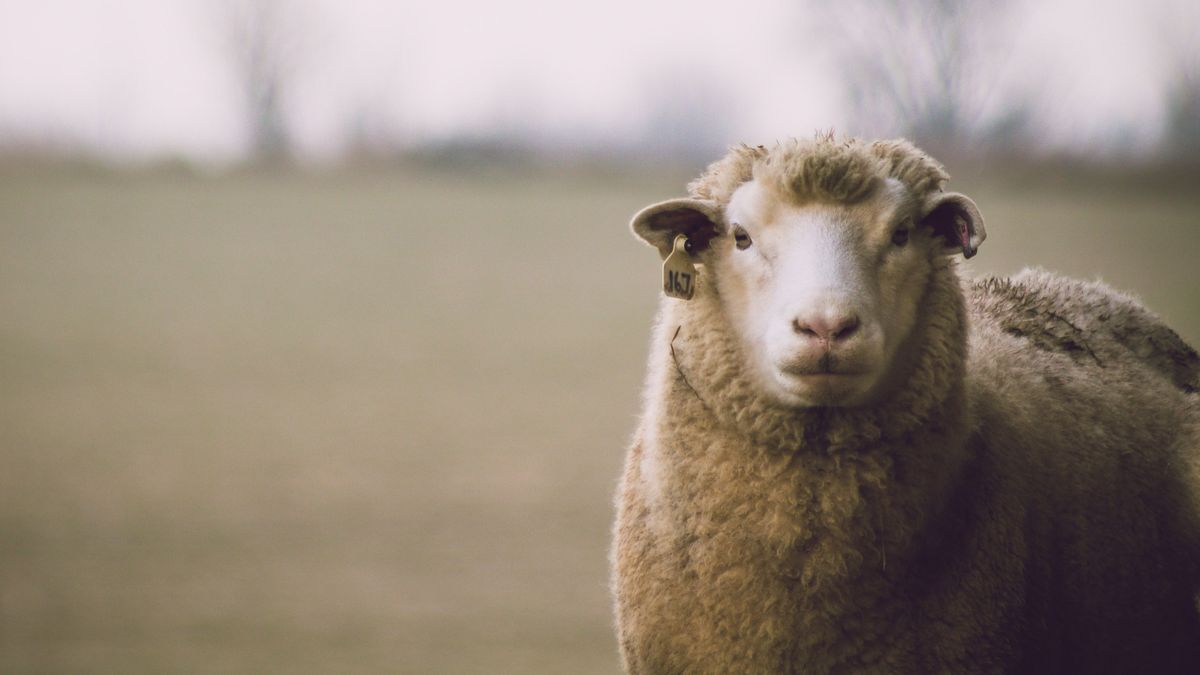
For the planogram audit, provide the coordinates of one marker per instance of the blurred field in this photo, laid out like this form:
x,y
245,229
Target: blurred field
x,y
370,421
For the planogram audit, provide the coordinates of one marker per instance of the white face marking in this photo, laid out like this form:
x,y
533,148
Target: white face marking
x,y
823,297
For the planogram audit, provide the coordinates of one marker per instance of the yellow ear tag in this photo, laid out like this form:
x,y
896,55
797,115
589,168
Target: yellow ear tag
x,y
679,272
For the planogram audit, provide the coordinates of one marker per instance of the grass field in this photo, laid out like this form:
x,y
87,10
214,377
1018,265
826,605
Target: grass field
x,y
370,421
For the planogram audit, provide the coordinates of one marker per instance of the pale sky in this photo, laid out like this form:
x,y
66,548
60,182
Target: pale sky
x,y
148,78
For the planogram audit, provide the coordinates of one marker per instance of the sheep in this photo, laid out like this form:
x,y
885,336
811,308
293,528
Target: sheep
x,y
851,460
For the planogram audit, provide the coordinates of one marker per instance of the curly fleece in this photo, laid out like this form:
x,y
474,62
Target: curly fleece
x,y
1025,502
824,168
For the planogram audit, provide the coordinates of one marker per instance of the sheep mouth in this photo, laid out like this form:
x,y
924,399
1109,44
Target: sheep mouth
x,y
810,376
821,382
822,388
825,379
817,373
817,386
825,367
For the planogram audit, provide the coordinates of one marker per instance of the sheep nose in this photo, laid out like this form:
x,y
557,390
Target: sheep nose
x,y
826,328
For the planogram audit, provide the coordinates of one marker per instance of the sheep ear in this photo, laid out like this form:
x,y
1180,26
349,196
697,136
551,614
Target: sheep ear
x,y
955,218
658,224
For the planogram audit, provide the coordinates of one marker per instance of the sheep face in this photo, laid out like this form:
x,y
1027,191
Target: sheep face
x,y
822,296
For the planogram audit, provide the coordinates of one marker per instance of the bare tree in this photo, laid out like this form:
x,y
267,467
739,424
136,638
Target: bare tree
x,y
924,68
686,116
1179,38
262,40
370,133
1182,137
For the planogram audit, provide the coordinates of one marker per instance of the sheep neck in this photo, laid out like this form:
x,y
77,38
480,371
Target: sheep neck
x,y
820,507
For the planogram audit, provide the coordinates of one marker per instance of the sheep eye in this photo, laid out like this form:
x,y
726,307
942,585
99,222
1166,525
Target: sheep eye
x,y
740,237
900,236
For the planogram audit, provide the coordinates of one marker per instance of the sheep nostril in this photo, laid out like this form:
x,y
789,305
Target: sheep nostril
x,y
803,329
846,328
826,330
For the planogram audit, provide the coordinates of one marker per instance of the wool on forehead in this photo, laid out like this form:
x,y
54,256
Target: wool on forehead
x,y
824,168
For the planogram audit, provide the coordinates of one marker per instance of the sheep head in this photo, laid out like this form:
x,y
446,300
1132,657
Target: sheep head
x,y
818,254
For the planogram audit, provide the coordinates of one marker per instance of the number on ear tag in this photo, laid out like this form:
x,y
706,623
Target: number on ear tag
x,y
679,272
